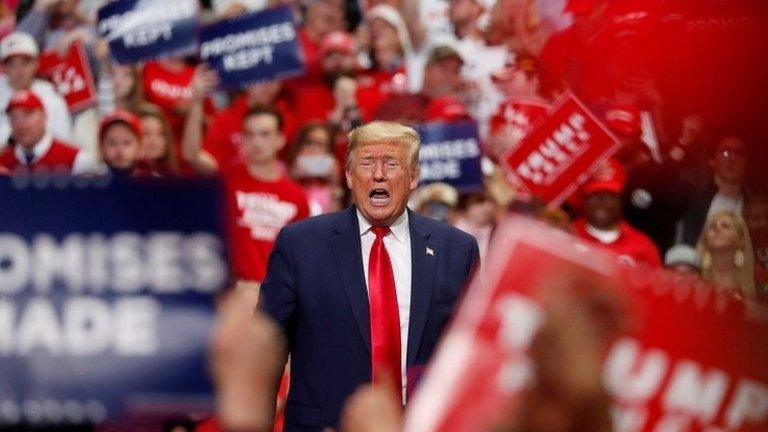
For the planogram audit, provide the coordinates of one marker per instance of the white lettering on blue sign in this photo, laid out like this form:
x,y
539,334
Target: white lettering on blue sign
x,y
262,37
124,263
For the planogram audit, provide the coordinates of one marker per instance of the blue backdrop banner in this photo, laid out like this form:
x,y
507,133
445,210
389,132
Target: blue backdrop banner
x,y
106,298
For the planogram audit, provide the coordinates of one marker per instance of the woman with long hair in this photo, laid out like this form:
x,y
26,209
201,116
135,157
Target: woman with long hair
x,y
727,259
312,164
158,152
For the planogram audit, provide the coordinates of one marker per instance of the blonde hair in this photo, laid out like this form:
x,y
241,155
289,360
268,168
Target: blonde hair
x,y
384,131
745,273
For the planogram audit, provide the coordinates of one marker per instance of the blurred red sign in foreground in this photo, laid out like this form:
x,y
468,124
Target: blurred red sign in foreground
x,y
687,359
71,74
561,152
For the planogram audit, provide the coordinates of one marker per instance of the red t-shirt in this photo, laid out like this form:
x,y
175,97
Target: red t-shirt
x,y
312,99
632,248
257,210
374,87
224,137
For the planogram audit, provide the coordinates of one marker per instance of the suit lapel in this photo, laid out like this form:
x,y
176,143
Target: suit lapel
x,y
423,265
349,260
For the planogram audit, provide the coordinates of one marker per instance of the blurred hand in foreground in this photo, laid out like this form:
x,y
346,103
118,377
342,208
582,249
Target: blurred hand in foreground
x,y
247,358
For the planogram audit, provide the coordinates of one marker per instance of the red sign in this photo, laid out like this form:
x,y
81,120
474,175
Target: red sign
x,y
71,74
685,359
561,152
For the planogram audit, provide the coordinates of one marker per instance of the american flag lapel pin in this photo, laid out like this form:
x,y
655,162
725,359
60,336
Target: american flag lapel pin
x,y
430,251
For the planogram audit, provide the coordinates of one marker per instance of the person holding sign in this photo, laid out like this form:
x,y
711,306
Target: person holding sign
x,y
261,199
364,294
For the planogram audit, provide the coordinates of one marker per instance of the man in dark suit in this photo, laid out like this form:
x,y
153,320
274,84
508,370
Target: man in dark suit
x,y
364,294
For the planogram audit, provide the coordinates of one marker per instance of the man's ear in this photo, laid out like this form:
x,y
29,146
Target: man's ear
x,y
414,180
348,175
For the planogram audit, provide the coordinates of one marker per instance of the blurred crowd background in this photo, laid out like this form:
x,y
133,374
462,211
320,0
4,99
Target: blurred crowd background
x,y
679,82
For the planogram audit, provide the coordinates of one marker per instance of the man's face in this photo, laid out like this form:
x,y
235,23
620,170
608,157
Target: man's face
x,y
263,92
381,179
603,209
730,160
120,147
27,126
442,78
338,63
20,71
520,84
463,12
481,212
324,18
262,138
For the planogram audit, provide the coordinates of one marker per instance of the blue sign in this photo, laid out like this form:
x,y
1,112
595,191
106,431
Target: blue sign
x,y
140,30
253,47
450,153
107,298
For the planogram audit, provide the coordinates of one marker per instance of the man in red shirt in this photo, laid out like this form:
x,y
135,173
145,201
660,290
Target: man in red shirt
x,y
442,79
260,198
604,225
321,18
338,60
34,148
223,139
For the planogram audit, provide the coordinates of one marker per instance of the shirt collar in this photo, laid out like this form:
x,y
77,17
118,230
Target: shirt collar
x,y
39,150
603,236
399,228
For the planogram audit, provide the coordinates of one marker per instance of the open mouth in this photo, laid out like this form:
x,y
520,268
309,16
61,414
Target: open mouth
x,y
379,197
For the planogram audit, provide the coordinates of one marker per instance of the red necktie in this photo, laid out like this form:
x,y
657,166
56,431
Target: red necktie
x,y
385,317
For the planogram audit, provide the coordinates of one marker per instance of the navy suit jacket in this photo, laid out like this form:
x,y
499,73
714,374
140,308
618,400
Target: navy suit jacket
x,y
315,289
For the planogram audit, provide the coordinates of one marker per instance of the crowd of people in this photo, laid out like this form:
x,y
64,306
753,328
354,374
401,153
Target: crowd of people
x,y
279,145
684,190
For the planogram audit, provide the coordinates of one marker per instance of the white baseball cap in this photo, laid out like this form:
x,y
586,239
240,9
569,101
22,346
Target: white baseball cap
x,y
18,43
682,254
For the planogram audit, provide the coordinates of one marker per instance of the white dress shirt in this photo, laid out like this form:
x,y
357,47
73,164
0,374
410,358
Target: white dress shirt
x,y
398,244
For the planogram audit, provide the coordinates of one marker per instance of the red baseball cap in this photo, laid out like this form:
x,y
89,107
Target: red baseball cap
x,y
120,116
624,119
337,41
24,99
446,108
610,177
